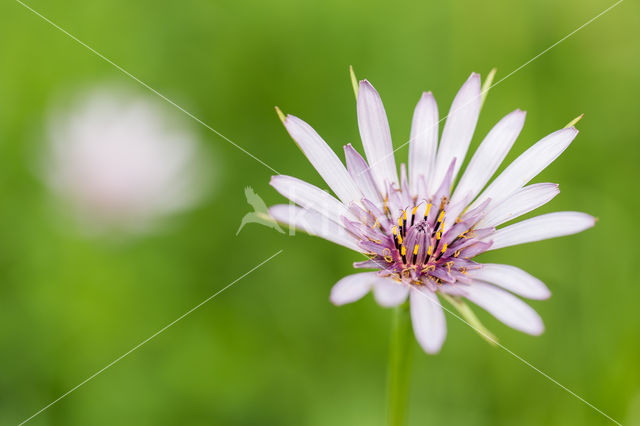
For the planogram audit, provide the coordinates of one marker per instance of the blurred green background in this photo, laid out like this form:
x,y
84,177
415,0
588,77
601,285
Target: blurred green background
x,y
272,349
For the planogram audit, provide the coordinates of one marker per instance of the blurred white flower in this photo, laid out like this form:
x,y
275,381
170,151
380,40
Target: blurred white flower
x,y
120,162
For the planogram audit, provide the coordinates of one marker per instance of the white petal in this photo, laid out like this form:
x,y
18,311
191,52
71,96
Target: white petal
x,y
313,223
423,141
389,293
458,129
359,170
538,228
322,157
523,201
311,197
511,278
506,308
428,320
489,155
527,166
352,288
376,137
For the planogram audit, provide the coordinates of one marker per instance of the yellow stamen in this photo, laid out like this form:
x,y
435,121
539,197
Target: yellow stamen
x,y
426,212
415,249
395,230
387,255
441,216
403,250
444,248
430,250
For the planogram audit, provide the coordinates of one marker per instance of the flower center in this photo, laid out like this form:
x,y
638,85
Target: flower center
x,y
417,242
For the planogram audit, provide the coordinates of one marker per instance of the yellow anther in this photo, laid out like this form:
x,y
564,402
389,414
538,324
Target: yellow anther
x,y
400,222
415,249
400,238
415,209
395,230
444,248
430,250
441,216
426,212
403,250
438,235
404,215
386,253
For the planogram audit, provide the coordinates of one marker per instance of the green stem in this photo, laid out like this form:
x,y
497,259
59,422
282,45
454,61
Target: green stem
x,y
399,366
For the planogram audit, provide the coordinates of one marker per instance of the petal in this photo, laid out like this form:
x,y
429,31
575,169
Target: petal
x,y
376,137
538,228
428,320
511,278
361,174
489,155
459,128
352,288
311,197
389,293
506,308
527,166
523,201
322,157
314,223
423,141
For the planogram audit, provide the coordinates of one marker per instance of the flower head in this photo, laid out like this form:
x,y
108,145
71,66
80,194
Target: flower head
x,y
120,163
420,231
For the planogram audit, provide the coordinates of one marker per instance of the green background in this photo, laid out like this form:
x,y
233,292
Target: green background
x,y
272,349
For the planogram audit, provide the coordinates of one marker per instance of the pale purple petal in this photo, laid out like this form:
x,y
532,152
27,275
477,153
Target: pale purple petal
x,y
523,201
542,227
311,197
506,308
428,319
390,293
314,223
458,129
359,170
513,279
352,288
322,157
527,166
489,155
376,137
423,142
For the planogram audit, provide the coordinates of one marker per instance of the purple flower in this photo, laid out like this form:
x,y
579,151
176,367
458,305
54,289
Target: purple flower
x,y
420,231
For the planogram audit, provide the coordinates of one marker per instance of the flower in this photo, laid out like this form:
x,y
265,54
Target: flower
x,y
420,231
120,162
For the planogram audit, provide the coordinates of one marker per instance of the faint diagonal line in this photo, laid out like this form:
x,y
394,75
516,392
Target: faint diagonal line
x,y
149,338
501,80
527,363
145,85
